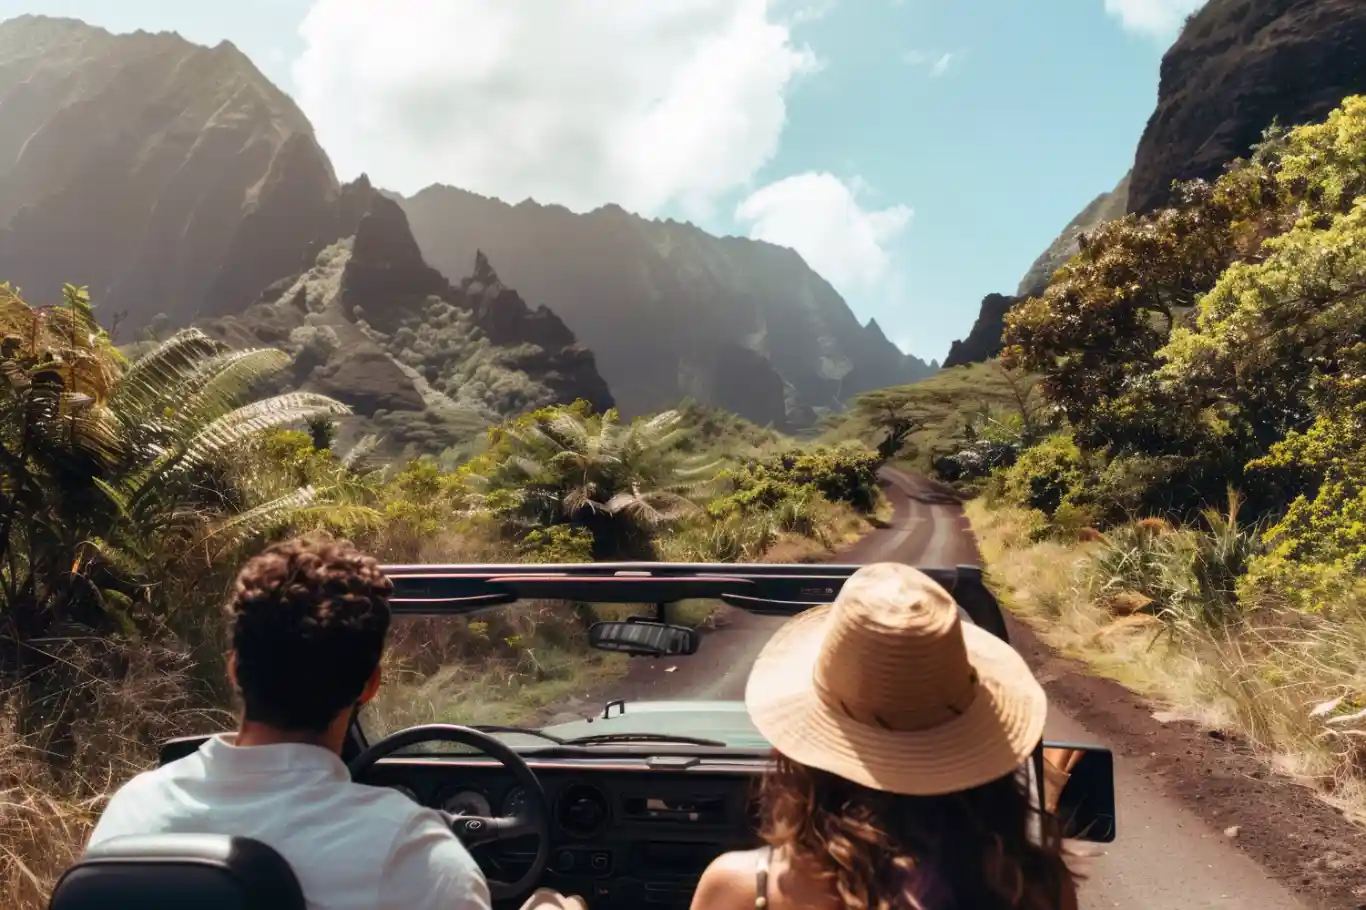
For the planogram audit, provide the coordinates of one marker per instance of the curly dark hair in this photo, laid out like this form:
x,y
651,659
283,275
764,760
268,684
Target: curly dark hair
x,y
309,618
885,851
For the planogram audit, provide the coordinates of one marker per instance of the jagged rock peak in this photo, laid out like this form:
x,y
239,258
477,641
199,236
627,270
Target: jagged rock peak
x,y
984,339
483,270
1105,207
384,236
207,180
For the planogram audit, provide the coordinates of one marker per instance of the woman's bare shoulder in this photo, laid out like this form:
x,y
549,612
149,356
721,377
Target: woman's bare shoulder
x,y
729,882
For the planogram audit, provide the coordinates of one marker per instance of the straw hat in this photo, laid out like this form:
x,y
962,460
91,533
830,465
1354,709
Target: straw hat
x,y
889,688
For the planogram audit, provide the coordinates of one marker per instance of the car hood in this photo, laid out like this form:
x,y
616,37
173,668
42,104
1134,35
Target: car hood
x,y
727,721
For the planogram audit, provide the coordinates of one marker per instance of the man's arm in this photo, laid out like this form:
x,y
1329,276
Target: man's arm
x,y
429,869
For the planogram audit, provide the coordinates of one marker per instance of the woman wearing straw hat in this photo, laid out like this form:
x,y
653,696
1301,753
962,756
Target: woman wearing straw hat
x,y
900,734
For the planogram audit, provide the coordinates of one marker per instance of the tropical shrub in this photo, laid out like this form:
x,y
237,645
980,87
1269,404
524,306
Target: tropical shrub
x,y
845,473
1045,475
619,483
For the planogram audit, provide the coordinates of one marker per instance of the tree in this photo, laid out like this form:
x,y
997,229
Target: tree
x,y
896,415
1102,329
322,432
1269,329
566,465
1109,310
1317,547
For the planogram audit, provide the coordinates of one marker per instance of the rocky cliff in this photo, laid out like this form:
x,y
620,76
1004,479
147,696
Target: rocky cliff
x,y
167,176
426,362
984,340
1238,66
671,311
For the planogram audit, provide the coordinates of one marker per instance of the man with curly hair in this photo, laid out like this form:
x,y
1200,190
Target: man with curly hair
x,y
309,619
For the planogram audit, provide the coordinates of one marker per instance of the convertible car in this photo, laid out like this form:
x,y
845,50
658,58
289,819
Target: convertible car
x,y
625,806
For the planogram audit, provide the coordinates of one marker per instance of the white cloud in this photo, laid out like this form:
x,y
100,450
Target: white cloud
x,y
803,12
819,216
936,64
577,102
1158,18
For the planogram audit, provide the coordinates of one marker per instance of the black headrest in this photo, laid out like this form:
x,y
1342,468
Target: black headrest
x,y
165,871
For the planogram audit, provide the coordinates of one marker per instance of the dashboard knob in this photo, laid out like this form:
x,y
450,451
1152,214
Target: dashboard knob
x,y
565,861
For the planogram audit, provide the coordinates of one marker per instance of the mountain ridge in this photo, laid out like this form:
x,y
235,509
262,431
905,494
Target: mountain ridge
x,y
178,183
165,175
659,300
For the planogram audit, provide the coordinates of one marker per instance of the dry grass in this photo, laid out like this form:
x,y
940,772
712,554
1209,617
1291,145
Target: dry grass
x,y
1292,683
49,803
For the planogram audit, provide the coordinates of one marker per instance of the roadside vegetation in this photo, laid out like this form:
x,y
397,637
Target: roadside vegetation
x,y
1186,507
132,487
919,425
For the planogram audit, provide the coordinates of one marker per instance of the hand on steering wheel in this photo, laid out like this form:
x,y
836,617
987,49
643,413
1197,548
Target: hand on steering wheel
x,y
473,830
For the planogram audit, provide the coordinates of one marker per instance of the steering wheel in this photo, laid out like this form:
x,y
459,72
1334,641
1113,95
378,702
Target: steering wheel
x,y
473,830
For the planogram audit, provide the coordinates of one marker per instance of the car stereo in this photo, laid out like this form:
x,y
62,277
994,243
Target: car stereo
x,y
697,810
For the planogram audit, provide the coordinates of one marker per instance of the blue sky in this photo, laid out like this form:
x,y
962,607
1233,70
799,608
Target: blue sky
x,y
919,153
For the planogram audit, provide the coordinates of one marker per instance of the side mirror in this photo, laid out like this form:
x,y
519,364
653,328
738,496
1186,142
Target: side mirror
x,y
1079,789
643,637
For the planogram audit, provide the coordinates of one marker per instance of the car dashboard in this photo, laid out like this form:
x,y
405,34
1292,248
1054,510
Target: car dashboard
x,y
623,830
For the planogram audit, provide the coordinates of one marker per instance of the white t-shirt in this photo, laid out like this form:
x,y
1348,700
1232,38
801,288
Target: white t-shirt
x,y
351,846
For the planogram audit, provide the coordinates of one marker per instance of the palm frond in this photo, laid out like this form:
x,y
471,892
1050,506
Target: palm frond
x,y
572,430
123,560
261,518
16,316
338,514
357,457
235,427
527,467
152,380
652,509
229,377
577,499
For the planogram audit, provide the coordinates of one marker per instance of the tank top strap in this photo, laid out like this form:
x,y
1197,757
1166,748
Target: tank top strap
x,y
761,878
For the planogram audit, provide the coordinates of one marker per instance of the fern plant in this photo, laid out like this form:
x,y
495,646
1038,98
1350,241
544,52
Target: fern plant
x,y
113,476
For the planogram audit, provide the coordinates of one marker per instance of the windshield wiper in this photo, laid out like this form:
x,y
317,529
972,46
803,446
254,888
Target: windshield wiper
x,y
502,728
642,738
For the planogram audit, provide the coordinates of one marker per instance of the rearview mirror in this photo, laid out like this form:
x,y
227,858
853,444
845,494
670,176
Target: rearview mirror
x,y
1079,788
643,637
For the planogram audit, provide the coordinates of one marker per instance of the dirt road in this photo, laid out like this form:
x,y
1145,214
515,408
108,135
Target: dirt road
x,y
1179,788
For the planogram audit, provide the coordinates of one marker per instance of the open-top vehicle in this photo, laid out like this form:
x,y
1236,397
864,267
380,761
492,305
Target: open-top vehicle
x,y
624,806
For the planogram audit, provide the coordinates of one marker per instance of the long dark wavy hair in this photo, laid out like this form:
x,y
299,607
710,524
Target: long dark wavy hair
x,y
972,850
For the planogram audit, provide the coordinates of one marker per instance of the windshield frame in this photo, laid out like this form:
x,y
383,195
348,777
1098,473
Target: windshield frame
x,y
773,589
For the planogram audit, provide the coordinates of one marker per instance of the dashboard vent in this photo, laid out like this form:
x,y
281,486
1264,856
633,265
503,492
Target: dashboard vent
x,y
582,811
